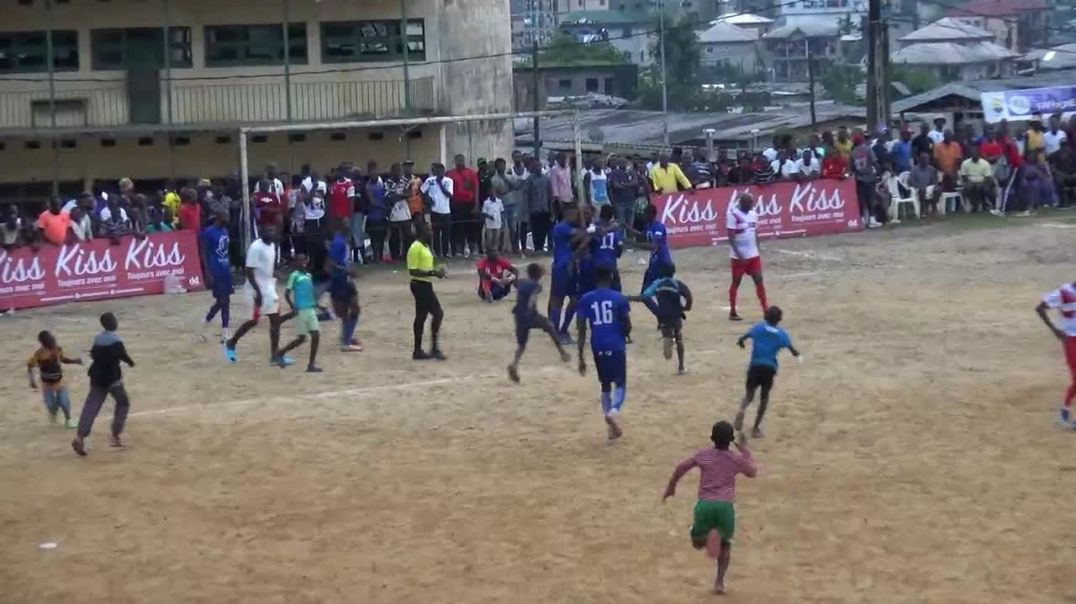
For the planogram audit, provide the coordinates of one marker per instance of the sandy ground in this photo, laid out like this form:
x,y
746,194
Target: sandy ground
x,y
911,458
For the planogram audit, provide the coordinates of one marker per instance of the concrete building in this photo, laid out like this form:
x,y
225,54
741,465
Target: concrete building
x,y
629,32
119,93
725,44
789,46
558,81
955,50
1018,25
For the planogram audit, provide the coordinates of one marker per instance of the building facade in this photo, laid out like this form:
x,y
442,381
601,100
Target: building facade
x,y
157,89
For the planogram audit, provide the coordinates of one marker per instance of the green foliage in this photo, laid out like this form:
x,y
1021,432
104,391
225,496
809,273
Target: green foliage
x,y
840,81
916,79
564,49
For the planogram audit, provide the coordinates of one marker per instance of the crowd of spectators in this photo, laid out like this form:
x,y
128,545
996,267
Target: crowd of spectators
x,y
509,205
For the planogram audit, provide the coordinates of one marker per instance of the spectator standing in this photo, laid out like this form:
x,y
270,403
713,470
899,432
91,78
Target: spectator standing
x,y
668,177
269,205
540,198
416,202
159,221
1034,138
139,215
784,167
1063,166
272,182
11,229
922,143
485,180
807,167
464,208
315,230
1055,137
81,226
505,187
493,211
560,177
396,191
865,168
835,166
947,156
937,135
597,182
438,189
114,222
54,223
624,188
1036,182
843,144
762,172
376,212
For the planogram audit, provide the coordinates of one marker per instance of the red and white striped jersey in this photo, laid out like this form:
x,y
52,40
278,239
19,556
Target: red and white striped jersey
x,y
1063,300
742,227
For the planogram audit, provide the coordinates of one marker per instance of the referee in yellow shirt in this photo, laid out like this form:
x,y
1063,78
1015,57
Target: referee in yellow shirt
x,y
421,267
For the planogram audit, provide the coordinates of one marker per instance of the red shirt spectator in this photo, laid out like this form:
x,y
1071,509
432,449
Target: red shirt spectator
x,y
341,196
270,209
464,183
991,150
190,216
1012,152
835,165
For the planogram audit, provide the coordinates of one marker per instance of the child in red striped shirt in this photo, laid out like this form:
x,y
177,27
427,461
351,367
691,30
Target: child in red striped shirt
x,y
715,515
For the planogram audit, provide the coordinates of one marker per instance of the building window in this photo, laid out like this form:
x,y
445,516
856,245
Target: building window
x,y
140,46
592,84
363,41
564,84
233,45
27,51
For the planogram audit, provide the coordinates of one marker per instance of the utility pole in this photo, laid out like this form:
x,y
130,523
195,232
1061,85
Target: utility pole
x,y
810,79
877,68
664,75
535,92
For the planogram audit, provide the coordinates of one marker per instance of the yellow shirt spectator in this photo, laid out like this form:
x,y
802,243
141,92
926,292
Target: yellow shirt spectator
x,y
1036,143
844,147
419,257
171,201
666,179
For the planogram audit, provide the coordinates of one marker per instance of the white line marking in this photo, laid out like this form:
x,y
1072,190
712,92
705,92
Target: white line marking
x,y
811,255
1057,225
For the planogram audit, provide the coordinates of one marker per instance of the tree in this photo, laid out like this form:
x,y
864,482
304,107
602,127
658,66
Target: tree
x,y
683,60
565,49
916,79
840,81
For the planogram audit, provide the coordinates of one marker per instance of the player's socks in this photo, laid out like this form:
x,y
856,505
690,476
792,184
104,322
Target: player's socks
x,y
732,300
568,317
619,394
554,318
1065,416
760,289
607,402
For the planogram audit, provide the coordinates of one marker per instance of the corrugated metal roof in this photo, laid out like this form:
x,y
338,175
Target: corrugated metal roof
x,y
947,29
973,90
722,32
810,28
743,19
602,17
997,8
952,53
1057,57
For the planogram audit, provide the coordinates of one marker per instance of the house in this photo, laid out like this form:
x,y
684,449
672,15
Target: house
x,y
631,33
792,9
1018,25
729,45
955,50
124,108
761,25
1056,58
789,46
618,80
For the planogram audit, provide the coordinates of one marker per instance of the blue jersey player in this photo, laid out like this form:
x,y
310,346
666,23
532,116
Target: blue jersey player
x,y
767,339
669,299
565,235
607,245
607,312
527,317
218,270
657,239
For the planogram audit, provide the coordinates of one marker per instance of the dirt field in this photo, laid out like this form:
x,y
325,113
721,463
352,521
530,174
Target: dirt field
x,y
911,458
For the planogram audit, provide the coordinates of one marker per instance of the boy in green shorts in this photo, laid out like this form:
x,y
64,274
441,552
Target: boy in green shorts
x,y
300,297
715,514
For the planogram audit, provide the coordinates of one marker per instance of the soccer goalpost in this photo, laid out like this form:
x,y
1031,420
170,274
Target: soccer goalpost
x,y
442,121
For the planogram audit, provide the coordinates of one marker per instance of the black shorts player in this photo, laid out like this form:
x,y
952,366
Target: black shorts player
x,y
669,299
527,317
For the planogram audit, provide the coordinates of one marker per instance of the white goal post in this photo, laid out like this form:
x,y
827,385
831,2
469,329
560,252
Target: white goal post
x,y
245,132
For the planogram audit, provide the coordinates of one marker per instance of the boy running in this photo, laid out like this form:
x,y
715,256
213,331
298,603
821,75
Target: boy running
x,y
657,240
669,298
607,313
49,360
218,271
343,292
767,339
607,244
715,514
261,287
299,295
527,318
106,378
1063,300
564,282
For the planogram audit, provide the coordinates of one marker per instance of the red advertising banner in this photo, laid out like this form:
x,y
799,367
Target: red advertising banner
x,y
785,209
98,270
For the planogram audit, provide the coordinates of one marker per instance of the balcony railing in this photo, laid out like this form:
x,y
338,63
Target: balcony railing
x,y
233,102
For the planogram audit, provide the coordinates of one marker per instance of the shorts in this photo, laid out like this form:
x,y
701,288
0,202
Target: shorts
x,y
616,286
761,376
652,274
585,282
222,285
612,366
306,321
270,304
671,326
563,282
339,286
747,266
55,397
709,515
524,325
496,292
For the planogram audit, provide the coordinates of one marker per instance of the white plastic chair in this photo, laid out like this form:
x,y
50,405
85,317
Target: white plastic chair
x,y
898,198
957,194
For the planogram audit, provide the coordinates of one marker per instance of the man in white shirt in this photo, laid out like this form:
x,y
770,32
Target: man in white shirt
x,y
1055,136
742,226
937,135
493,210
438,192
1063,300
783,167
261,287
807,167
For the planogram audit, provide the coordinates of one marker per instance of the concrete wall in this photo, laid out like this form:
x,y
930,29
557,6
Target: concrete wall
x,y
742,55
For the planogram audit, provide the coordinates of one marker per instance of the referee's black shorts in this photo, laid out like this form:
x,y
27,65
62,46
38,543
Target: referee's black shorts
x,y
760,376
426,302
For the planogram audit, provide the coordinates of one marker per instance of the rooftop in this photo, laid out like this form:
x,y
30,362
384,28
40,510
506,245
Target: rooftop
x,y
722,32
948,29
1057,57
952,53
972,90
631,127
997,8
604,17
743,19
808,28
